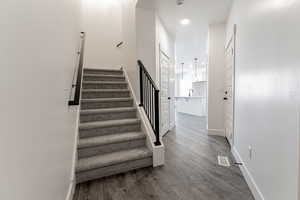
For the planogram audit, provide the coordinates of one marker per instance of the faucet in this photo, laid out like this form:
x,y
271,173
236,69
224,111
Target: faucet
x,y
191,91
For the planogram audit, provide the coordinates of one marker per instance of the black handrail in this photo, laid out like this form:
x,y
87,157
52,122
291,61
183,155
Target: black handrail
x,y
149,95
77,86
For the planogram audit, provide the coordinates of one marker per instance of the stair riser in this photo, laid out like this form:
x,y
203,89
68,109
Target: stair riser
x,y
104,86
99,105
84,133
94,95
102,78
113,169
93,151
107,116
102,72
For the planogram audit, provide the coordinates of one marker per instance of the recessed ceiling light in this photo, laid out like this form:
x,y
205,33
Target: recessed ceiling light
x,y
185,21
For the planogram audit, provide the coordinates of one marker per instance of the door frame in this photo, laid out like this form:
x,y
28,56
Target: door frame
x,y
169,104
232,40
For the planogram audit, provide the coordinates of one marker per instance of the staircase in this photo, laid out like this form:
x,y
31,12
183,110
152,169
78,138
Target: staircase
x,y
110,136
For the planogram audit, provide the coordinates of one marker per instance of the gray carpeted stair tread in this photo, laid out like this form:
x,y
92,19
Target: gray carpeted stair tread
x,y
107,110
104,102
108,123
105,93
105,82
107,99
104,75
109,159
105,90
110,139
103,70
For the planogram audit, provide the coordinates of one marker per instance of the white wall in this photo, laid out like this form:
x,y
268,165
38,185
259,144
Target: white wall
x,y
267,94
151,36
102,22
106,23
39,40
216,65
146,39
191,43
129,53
135,34
166,43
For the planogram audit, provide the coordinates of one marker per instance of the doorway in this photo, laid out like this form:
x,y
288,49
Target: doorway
x,y
229,88
164,62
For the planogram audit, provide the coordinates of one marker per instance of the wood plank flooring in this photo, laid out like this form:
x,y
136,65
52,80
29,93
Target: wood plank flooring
x,y
190,172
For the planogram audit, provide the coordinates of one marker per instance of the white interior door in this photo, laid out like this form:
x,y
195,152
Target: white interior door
x,y
164,93
229,91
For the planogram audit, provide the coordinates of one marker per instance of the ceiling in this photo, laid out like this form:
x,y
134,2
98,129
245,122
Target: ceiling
x,y
191,40
200,12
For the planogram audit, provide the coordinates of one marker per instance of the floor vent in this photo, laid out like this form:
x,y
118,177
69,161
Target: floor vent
x,y
223,161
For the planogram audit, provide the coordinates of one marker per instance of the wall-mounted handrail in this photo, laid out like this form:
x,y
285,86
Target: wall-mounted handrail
x,y
77,85
149,100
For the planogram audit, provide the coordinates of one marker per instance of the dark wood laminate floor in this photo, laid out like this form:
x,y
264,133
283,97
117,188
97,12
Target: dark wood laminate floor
x,y
190,172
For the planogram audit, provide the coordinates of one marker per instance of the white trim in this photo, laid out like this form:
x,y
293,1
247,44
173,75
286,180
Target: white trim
x,y
232,40
71,191
233,85
72,185
172,125
160,81
248,177
158,151
218,132
74,159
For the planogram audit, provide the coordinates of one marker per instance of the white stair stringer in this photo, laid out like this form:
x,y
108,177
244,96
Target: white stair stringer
x,y
158,152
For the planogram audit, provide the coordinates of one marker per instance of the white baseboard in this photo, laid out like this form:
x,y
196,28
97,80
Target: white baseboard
x,y
172,126
71,191
248,177
217,132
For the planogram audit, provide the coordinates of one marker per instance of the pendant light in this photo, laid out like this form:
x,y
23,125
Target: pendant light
x,y
182,64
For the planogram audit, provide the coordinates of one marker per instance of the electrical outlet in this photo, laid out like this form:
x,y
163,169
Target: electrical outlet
x,y
250,152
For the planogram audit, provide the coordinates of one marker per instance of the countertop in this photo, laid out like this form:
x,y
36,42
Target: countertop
x,y
192,97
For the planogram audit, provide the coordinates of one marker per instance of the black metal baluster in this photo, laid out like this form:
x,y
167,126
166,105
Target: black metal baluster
x,y
157,142
151,109
141,87
152,99
145,91
149,97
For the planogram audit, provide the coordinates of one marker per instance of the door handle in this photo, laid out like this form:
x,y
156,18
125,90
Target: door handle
x,y
225,98
169,98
